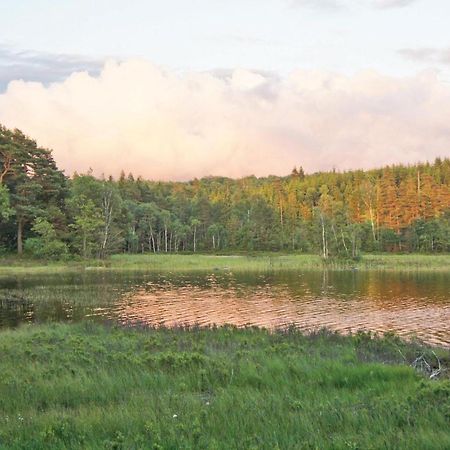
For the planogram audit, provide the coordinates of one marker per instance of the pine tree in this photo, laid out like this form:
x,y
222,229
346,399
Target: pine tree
x,y
31,175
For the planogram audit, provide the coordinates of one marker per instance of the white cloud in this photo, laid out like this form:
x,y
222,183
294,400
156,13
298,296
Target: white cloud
x,y
327,4
392,3
162,125
344,4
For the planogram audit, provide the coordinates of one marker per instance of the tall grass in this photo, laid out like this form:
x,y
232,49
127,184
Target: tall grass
x,y
254,262
85,386
277,261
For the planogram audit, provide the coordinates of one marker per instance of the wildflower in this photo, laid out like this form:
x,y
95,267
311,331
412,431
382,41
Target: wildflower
x,y
175,416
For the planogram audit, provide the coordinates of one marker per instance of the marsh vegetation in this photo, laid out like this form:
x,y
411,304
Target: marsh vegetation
x,y
89,386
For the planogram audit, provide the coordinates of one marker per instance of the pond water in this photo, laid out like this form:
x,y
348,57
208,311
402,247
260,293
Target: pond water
x,y
409,303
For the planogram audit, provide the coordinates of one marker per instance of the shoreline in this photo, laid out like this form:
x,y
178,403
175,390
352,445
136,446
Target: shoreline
x,y
232,262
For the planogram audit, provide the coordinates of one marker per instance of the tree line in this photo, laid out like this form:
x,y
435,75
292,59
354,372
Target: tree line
x,y
46,214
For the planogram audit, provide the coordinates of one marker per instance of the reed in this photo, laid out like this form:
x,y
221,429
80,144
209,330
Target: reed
x,y
245,262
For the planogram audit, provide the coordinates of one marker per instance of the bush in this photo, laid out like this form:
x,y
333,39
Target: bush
x,y
42,248
47,245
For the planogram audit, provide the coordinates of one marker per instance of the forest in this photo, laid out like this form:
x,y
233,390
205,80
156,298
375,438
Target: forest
x,y
46,214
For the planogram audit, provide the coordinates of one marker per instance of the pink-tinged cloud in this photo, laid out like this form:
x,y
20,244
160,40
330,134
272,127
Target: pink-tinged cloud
x,y
159,124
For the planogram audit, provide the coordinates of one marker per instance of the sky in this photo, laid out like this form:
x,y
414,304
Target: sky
x,y
174,90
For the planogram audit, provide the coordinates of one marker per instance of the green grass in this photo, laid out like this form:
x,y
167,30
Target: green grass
x,y
92,387
255,262
405,262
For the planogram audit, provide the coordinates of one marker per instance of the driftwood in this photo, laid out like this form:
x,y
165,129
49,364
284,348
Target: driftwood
x,y
422,365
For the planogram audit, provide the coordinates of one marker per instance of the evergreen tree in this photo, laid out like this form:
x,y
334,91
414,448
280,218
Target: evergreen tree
x,y
31,175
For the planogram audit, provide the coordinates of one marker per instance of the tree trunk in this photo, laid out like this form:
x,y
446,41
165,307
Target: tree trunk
x,y
7,160
107,216
335,235
324,238
84,245
165,237
354,252
281,213
20,236
418,184
152,236
343,242
158,242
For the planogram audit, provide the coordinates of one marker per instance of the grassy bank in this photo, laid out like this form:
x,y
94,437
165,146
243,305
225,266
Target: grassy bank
x,y
276,261
85,386
256,262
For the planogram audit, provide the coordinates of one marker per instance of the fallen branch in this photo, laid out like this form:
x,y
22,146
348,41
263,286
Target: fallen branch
x,y
422,365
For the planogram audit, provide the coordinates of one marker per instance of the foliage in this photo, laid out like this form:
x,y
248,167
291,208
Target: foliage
x,y
46,245
86,226
37,188
335,215
5,208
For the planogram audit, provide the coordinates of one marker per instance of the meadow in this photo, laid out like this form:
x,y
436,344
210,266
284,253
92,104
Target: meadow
x,y
93,386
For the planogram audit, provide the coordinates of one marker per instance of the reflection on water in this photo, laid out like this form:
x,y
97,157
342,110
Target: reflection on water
x,y
406,303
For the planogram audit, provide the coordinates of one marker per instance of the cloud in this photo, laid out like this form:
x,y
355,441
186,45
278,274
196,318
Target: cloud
x,y
345,4
427,55
160,124
41,66
318,4
384,4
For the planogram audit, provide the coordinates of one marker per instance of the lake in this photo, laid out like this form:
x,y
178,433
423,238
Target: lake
x,y
407,303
